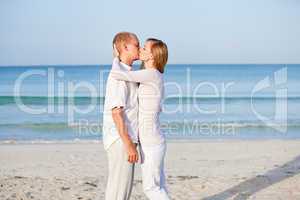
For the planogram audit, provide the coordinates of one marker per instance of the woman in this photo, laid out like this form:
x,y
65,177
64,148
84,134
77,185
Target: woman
x,y
154,56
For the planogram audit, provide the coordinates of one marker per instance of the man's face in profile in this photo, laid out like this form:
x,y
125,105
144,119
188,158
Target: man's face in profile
x,y
133,48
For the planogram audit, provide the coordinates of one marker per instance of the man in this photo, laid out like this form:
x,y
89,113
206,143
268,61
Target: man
x,y
120,122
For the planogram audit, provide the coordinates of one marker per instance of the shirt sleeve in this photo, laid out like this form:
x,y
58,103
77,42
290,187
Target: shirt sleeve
x,y
118,94
116,64
139,76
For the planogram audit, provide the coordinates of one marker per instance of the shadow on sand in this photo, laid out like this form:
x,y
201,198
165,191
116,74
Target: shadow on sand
x,y
247,188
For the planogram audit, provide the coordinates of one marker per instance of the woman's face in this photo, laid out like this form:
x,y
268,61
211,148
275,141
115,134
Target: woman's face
x,y
145,52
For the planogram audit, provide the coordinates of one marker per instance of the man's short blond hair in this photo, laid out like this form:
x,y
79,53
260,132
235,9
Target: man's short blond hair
x,y
123,38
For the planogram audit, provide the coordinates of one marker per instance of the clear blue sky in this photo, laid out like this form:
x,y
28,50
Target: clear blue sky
x,y
34,32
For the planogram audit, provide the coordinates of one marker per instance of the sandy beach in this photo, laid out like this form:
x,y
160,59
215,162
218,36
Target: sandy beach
x,y
208,169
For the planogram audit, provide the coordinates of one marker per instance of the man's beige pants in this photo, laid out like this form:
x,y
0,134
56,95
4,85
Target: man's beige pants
x,y
120,173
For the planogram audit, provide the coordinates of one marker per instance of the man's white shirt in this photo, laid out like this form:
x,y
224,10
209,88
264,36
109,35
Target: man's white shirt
x,y
120,94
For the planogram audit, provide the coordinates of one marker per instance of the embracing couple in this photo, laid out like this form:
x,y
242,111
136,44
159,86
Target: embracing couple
x,y
131,127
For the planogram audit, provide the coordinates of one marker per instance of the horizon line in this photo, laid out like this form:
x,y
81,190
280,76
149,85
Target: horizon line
x,y
66,65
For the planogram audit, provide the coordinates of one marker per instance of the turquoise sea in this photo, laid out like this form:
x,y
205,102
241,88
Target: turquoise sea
x,y
206,101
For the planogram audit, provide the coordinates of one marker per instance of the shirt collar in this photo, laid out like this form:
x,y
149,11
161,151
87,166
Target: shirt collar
x,y
127,67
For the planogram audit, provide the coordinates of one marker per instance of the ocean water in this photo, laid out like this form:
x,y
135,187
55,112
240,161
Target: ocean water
x,y
65,103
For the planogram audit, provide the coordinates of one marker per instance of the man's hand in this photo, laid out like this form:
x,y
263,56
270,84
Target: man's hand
x,y
117,115
133,155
